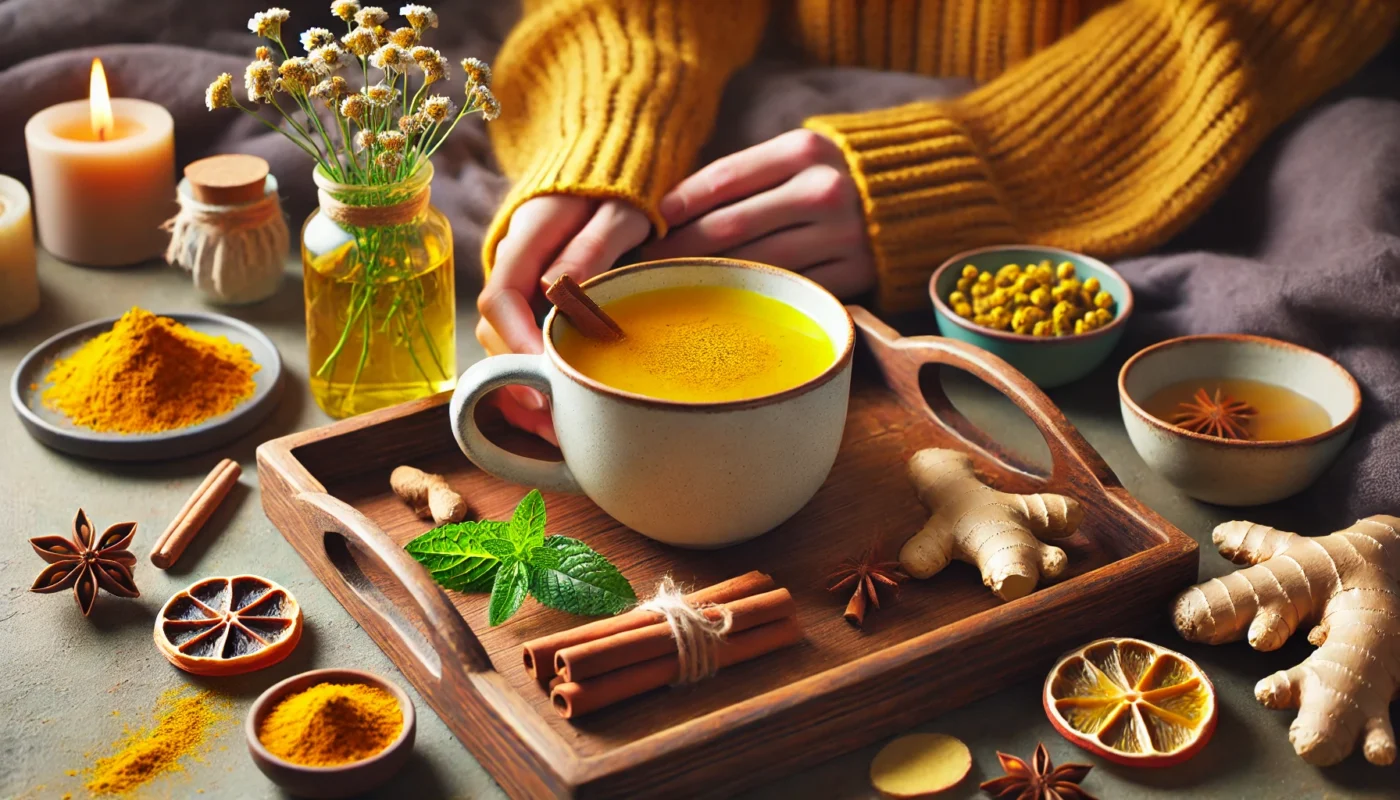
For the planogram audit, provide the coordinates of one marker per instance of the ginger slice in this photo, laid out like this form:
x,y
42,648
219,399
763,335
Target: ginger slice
x,y
997,532
1346,587
919,765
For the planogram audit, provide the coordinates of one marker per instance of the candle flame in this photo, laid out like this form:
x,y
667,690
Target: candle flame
x,y
100,103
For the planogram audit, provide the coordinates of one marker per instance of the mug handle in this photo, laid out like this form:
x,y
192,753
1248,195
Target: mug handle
x,y
480,379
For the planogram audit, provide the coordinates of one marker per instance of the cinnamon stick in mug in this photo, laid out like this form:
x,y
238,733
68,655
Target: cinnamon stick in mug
x,y
539,653
196,511
582,697
591,321
591,659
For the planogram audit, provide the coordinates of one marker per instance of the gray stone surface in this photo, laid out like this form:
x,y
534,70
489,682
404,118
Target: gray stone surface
x,y
69,685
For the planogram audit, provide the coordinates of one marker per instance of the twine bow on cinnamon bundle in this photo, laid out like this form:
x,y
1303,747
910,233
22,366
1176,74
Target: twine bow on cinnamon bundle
x,y
671,639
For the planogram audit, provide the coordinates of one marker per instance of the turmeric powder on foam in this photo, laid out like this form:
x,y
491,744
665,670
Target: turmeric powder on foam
x,y
150,374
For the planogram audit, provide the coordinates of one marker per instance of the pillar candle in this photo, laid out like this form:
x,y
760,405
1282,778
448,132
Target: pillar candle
x,y
102,193
19,281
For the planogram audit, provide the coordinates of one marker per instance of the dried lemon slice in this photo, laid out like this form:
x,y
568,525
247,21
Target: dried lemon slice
x,y
1131,702
228,626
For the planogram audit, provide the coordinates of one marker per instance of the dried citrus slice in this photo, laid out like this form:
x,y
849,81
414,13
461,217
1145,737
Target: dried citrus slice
x,y
228,626
1131,702
919,765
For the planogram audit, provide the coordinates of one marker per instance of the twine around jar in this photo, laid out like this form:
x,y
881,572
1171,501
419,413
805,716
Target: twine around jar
x,y
370,216
236,253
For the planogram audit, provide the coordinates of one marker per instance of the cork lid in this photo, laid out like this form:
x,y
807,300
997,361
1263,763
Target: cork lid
x,y
227,180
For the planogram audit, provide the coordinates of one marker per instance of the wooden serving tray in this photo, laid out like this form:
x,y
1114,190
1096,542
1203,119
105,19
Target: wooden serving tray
x,y
946,642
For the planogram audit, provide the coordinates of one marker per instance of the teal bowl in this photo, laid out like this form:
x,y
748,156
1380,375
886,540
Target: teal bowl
x,y
1048,362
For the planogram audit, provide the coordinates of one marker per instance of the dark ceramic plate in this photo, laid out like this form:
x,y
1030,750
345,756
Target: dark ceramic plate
x,y
55,430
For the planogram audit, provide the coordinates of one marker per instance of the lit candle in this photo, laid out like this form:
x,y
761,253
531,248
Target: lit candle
x,y
103,172
19,282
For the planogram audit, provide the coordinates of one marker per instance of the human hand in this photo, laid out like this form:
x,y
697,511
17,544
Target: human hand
x,y
548,236
790,202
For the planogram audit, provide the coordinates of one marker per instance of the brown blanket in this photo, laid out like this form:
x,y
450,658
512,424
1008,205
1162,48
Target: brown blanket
x,y
1305,245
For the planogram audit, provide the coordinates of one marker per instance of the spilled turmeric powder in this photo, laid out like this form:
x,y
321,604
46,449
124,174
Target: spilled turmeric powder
x,y
184,723
150,374
331,724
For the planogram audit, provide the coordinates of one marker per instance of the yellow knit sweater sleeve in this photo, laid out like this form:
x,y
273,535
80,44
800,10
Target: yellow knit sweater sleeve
x,y
1107,142
613,98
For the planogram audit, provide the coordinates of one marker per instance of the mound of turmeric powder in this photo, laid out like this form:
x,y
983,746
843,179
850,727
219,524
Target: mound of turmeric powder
x,y
331,724
186,721
150,374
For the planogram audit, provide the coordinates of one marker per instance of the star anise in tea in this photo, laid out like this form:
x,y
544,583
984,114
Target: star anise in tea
x,y
88,562
1218,415
867,575
1038,780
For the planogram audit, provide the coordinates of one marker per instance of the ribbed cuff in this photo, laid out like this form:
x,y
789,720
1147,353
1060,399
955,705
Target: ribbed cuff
x,y
926,190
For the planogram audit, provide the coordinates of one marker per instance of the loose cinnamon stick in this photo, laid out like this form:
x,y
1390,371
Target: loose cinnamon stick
x,y
591,659
575,699
539,653
591,321
196,511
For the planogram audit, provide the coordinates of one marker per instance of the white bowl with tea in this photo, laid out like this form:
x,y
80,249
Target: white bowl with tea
x,y
1237,420
714,418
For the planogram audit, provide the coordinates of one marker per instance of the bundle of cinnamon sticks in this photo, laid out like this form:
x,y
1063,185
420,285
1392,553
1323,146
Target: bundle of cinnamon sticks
x,y
607,661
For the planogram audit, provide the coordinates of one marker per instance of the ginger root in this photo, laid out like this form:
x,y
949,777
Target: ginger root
x,y
428,495
1347,585
997,532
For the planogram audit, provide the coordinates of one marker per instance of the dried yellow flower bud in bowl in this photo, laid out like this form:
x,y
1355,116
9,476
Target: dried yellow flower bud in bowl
x,y
1052,314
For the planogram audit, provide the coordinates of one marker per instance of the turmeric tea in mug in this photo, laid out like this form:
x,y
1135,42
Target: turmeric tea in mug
x,y
701,344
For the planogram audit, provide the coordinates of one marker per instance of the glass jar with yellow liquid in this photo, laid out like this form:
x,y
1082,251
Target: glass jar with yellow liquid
x,y
380,301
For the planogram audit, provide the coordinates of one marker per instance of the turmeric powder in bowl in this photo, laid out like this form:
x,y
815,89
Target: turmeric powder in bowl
x,y
332,724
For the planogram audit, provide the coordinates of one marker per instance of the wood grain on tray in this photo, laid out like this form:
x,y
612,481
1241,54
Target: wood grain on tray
x,y
946,642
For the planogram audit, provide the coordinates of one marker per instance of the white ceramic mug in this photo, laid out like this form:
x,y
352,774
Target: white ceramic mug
x,y
697,475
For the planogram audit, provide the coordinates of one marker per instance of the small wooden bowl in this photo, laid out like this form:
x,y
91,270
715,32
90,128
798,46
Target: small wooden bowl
x,y
1047,361
1232,472
329,782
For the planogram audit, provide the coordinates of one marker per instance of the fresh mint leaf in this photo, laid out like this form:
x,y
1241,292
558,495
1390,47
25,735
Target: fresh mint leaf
x,y
583,582
544,558
454,556
508,592
502,549
527,524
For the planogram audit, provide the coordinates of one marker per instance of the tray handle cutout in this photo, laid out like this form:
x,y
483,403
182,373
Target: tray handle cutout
x,y
451,641
1072,459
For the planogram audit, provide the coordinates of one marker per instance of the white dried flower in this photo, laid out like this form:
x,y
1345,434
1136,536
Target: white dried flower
x,y
391,58
476,71
328,59
220,93
388,160
297,74
260,78
432,63
364,140
413,124
345,9
354,107
437,108
392,140
331,89
313,38
404,37
419,16
487,102
268,24
360,41
381,95
371,16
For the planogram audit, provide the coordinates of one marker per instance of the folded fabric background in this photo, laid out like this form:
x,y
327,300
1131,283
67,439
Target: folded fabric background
x,y
1304,246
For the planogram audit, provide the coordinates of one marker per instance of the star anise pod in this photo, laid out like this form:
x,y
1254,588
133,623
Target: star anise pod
x,y
1038,780
87,561
1220,415
867,575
